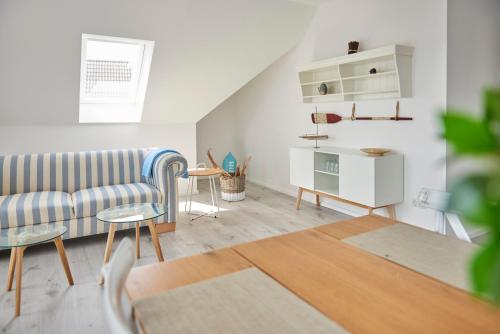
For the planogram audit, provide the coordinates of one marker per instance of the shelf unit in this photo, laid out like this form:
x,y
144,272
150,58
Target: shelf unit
x,y
348,78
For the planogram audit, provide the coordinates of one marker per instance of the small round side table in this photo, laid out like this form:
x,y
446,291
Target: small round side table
x,y
132,213
211,173
20,238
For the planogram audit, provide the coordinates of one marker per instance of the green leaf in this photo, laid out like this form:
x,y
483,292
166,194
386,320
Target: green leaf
x,y
477,199
492,104
468,135
485,271
492,111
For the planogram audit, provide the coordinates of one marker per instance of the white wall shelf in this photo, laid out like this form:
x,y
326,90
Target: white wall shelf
x,y
371,92
326,172
369,75
348,77
319,82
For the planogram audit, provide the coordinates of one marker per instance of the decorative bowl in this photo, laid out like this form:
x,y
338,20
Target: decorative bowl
x,y
375,151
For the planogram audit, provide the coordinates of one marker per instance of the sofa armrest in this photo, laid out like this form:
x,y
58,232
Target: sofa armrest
x,y
166,168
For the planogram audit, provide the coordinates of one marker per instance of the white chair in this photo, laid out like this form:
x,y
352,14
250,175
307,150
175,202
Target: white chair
x,y
438,200
115,274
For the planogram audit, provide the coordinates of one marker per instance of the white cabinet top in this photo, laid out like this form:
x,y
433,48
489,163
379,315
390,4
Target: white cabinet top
x,y
344,150
388,50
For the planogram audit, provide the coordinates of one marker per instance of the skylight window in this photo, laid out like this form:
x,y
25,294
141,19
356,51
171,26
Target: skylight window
x,y
113,79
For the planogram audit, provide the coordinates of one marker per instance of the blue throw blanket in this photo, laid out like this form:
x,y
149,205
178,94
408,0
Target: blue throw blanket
x,y
147,166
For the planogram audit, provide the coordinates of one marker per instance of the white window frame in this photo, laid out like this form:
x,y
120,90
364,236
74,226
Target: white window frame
x,y
101,110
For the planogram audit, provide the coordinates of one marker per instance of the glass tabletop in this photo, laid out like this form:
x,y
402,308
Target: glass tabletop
x,y
132,213
30,235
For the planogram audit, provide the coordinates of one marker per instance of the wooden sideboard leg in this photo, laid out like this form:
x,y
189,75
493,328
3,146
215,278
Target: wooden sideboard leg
x,y
299,198
317,200
12,269
370,211
391,211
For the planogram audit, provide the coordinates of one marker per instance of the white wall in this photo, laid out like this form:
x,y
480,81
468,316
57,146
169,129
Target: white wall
x,y
270,114
473,62
204,51
219,131
40,139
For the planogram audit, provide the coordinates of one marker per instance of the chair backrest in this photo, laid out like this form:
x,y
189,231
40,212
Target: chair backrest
x,y
69,171
115,274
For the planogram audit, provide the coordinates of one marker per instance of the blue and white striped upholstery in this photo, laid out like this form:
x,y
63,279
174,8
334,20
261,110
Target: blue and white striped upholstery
x,y
70,188
69,172
166,168
35,208
88,202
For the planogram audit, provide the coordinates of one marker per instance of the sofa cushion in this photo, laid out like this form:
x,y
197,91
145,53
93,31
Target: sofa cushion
x,y
88,202
35,208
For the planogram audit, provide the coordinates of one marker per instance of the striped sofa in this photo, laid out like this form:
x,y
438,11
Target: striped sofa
x,y
71,188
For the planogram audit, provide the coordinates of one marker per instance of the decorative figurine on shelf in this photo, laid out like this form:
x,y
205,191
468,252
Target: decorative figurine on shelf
x,y
353,47
373,70
323,89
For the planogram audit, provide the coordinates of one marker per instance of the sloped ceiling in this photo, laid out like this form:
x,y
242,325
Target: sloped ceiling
x,y
204,52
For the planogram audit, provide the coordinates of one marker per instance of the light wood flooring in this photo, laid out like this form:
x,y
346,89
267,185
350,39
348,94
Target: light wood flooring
x,y
50,306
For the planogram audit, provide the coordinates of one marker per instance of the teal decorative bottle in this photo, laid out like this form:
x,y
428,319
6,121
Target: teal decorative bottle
x,y
229,164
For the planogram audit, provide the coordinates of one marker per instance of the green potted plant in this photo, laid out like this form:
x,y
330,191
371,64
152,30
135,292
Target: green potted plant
x,y
477,195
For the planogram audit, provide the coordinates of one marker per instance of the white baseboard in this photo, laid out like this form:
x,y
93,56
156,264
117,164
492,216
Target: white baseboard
x,y
310,198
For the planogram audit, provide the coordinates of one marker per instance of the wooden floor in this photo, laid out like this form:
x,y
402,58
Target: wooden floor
x,y
50,306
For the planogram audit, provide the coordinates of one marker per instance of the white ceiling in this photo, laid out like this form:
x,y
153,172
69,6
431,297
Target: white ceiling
x,y
204,52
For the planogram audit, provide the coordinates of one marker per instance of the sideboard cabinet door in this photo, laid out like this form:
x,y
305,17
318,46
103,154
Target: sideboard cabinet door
x,y
356,179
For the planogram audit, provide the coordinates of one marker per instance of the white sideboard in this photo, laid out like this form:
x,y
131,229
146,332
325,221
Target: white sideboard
x,y
365,181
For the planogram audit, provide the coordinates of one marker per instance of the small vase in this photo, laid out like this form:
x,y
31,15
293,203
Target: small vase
x,y
323,89
353,47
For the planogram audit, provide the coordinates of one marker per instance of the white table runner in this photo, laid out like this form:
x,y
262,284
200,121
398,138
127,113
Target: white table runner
x,y
442,257
247,301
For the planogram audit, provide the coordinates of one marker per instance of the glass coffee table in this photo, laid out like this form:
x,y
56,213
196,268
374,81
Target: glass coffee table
x,y
17,239
132,213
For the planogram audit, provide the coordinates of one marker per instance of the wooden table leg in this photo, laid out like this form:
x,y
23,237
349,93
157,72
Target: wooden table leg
x,y
109,247
137,240
391,211
317,200
370,211
12,268
19,277
299,198
156,241
64,260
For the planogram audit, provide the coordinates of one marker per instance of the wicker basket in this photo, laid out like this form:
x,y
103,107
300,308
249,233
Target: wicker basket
x,y
232,188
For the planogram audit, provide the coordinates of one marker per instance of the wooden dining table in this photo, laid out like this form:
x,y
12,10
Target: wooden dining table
x,y
356,288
